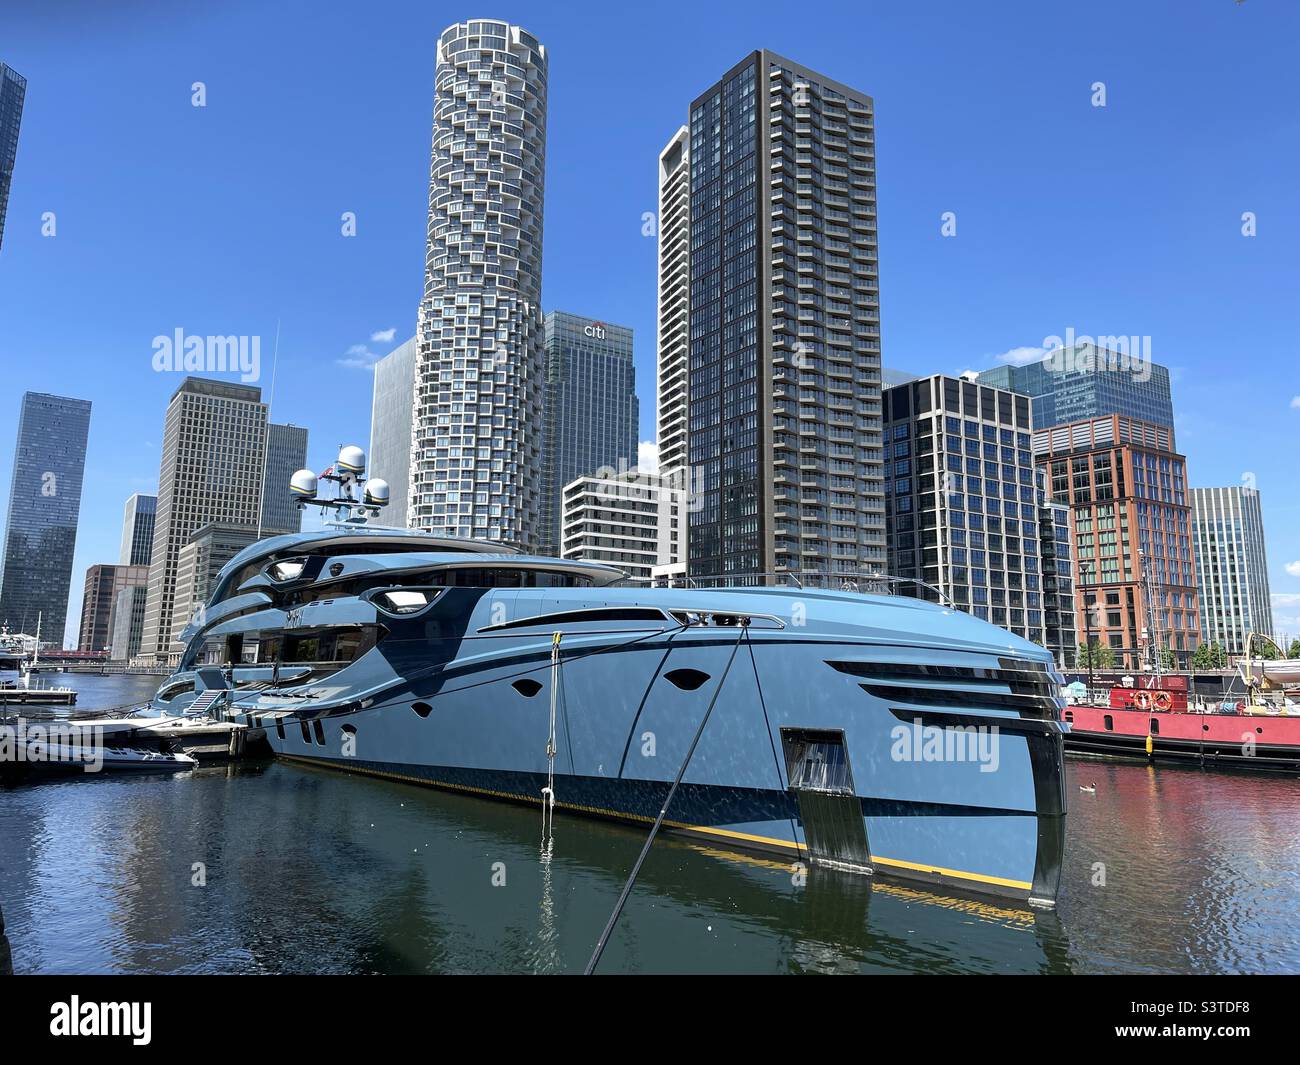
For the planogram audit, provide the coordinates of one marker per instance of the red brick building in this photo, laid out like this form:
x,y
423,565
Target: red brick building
x,y
1126,487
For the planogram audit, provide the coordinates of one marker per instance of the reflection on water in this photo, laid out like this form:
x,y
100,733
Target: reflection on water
x,y
277,868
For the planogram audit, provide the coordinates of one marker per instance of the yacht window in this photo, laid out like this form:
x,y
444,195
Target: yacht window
x,y
404,600
342,644
509,577
288,570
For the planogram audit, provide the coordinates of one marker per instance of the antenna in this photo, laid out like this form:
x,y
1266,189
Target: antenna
x,y
266,438
357,499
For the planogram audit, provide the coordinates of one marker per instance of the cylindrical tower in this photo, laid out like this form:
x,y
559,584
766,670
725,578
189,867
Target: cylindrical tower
x,y
477,418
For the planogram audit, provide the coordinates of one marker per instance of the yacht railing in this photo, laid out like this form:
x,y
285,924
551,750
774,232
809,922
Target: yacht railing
x,y
864,583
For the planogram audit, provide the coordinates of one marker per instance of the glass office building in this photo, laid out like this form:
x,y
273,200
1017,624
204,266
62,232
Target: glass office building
x,y
591,409
783,382
13,90
965,504
1231,566
390,428
286,454
1087,381
44,502
476,456
137,530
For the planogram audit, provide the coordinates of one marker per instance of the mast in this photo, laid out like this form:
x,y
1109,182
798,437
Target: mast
x,y
1154,634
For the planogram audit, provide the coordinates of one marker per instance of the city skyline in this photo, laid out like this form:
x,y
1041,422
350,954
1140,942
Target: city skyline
x,y
925,269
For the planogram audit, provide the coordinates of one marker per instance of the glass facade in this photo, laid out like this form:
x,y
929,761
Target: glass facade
x,y
137,530
44,501
476,453
964,504
784,359
1231,566
1088,382
390,428
286,454
591,409
13,90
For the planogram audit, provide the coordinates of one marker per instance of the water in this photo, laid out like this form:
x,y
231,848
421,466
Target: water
x,y
277,868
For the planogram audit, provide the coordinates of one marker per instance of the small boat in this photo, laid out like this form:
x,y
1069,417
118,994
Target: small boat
x,y
42,758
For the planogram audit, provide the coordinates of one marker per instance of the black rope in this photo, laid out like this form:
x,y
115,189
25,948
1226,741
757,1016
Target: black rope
x,y
654,831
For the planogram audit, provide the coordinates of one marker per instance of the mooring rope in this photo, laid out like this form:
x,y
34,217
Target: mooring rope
x,y
654,831
548,792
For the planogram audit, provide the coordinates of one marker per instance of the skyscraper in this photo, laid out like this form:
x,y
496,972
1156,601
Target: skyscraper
x,y
590,409
13,90
783,383
44,502
106,588
137,530
1088,381
963,501
211,470
673,355
1231,566
286,453
1126,487
390,427
477,427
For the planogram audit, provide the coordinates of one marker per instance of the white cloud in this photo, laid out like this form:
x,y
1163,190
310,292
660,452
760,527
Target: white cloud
x,y
1293,568
1020,356
383,336
1295,402
647,456
358,357
1285,599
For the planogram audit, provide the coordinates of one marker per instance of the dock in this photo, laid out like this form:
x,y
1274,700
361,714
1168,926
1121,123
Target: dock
x,y
38,696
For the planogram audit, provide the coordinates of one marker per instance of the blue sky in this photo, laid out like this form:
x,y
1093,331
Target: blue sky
x,y
1122,220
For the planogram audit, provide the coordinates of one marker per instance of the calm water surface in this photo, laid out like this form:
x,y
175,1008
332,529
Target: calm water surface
x,y
315,871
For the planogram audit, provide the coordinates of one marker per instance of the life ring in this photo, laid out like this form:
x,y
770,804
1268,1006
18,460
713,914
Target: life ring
x,y
1142,700
1163,701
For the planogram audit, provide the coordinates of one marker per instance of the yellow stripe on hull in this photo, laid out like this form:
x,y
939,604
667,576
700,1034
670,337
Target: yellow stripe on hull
x,y
725,833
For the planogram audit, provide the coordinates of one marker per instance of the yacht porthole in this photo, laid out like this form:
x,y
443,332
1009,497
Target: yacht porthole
x,y
686,679
422,709
527,687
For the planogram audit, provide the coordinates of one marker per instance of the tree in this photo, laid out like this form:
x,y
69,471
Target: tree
x,y
1095,656
1209,656
1168,660
1294,650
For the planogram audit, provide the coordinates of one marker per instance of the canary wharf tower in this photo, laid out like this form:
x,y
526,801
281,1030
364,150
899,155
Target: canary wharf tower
x,y
480,374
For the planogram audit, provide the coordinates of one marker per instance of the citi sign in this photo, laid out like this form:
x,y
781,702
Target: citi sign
x,y
595,330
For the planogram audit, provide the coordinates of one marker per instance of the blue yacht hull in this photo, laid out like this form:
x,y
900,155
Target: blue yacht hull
x,y
877,733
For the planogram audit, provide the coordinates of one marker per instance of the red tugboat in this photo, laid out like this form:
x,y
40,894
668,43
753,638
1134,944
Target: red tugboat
x,y
1154,719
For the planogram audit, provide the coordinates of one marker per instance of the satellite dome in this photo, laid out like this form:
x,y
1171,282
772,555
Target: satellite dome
x,y
303,483
352,460
377,492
